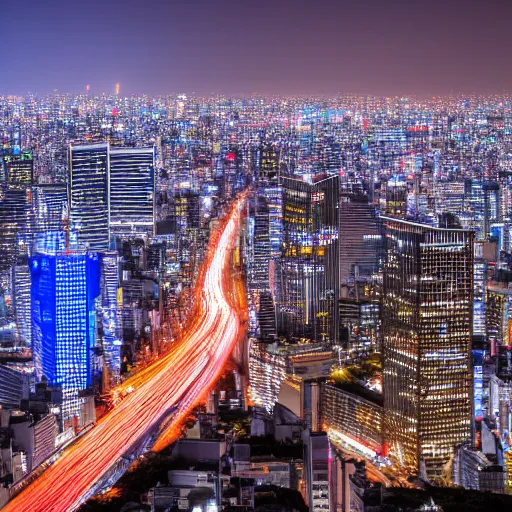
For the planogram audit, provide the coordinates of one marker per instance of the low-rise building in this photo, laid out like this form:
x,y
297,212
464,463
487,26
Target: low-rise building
x,y
355,412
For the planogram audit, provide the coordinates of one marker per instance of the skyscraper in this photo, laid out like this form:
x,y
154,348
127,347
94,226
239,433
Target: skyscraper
x,y
427,315
132,191
64,288
51,206
259,279
21,296
16,222
268,169
360,239
395,198
109,315
89,194
309,266
20,169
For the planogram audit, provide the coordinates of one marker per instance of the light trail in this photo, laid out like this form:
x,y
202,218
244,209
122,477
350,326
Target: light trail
x,y
180,379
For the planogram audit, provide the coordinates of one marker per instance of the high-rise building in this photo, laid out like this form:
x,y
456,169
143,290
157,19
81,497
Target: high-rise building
x,y
89,194
317,455
64,289
16,222
274,198
14,386
360,239
268,181
268,169
51,206
109,314
309,266
395,197
132,191
259,278
21,296
20,168
427,311
266,316
492,207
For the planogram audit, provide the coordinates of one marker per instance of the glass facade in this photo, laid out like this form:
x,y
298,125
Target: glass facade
x,y
109,315
132,191
427,332
16,222
20,168
355,413
51,205
309,266
64,289
89,195
360,239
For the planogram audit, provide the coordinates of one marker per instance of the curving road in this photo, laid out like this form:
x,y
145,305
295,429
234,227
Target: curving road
x,y
179,380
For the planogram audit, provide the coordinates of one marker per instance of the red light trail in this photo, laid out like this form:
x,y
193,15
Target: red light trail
x,y
180,379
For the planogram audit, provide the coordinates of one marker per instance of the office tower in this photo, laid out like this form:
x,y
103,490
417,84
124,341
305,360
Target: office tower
x,y
89,194
268,170
359,320
309,266
475,206
14,386
21,296
51,207
259,277
55,241
355,413
266,316
267,370
492,207
181,103
395,197
450,197
132,192
274,198
16,231
268,182
187,211
109,317
498,316
16,222
485,252
427,311
64,289
317,456
360,239
20,169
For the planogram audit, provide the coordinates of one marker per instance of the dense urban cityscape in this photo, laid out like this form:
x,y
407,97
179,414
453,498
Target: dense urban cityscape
x,y
255,303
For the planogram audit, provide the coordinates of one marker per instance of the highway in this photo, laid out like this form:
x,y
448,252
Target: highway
x,y
177,382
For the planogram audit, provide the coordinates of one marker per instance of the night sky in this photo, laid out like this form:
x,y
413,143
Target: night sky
x,y
422,47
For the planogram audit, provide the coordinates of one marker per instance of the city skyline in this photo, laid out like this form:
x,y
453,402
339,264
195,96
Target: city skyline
x,y
255,256
281,47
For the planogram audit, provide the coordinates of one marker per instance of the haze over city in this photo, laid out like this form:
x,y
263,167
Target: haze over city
x,y
255,256
265,47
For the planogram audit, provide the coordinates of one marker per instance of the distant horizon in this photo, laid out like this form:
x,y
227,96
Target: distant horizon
x,y
273,47
194,94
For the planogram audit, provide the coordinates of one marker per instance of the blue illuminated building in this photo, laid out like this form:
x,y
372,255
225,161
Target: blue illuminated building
x,y
64,289
478,379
